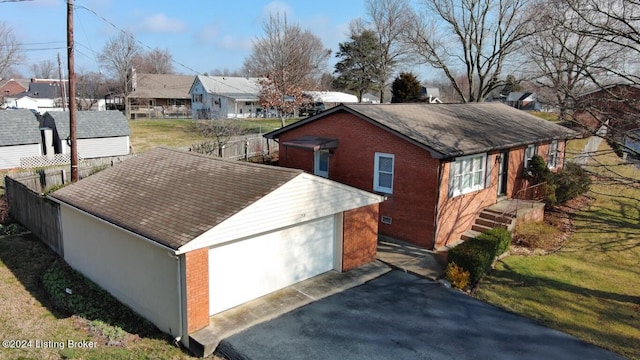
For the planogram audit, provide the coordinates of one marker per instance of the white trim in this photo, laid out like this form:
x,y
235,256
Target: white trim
x,y
553,156
529,152
465,166
316,163
377,171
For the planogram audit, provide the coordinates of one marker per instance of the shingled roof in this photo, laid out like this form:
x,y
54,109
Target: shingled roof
x,y
89,124
170,196
238,88
450,130
162,86
19,127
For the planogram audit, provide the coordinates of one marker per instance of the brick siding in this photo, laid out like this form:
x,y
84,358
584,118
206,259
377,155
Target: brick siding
x,y
359,236
197,284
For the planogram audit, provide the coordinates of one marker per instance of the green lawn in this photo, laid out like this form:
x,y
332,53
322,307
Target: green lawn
x,y
591,287
147,134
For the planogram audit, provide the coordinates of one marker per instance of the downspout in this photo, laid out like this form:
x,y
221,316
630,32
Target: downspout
x,y
437,205
178,338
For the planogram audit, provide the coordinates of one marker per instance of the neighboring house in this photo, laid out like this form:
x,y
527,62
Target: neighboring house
x,y
632,143
438,164
160,95
317,101
430,94
10,87
219,97
618,105
369,98
41,96
99,133
19,137
523,101
180,236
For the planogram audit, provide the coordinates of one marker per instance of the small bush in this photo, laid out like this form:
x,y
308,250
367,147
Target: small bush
x,y
500,237
572,181
11,229
475,256
457,276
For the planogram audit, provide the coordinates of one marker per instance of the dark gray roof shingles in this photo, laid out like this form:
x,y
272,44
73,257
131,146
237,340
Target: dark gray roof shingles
x,y
171,196
90,124
455,129
19,127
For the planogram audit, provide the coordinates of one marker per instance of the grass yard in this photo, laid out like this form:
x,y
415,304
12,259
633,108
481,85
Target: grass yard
x,y
182,133
591,287
27,313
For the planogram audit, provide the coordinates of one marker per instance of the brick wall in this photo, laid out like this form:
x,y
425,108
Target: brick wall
x,y
197,284
359,236
411,207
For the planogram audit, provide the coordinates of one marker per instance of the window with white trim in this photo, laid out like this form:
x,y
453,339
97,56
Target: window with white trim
x,y
553,156
467,174
529,153
383,173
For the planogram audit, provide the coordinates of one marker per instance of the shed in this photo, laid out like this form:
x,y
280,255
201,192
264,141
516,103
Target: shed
x,y
179,236
19,137
99,133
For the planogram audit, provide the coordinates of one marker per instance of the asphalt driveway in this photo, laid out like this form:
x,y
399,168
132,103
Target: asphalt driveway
x,y
402,316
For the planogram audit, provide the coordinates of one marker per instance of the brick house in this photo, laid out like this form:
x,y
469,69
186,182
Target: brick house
x,y
438,165
179,236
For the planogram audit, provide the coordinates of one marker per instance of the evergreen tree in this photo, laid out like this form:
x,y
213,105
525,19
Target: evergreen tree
x,y
405,88
359,68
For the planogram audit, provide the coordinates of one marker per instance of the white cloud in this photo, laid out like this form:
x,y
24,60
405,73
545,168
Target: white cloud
x,y
162,23
275,8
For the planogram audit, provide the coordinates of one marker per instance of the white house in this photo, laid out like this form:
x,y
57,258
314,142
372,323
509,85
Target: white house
x,y
19,137
215,97
99,133
179,236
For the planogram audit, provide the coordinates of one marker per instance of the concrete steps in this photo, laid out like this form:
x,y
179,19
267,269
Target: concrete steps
x,y
488,219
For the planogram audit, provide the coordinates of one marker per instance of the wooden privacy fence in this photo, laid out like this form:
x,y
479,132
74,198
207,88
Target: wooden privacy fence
x,y
243,148
36,212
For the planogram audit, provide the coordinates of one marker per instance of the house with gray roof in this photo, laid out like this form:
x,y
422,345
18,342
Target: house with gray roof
x,y
179,236
19,137
439,165
160,96
220,97
99,133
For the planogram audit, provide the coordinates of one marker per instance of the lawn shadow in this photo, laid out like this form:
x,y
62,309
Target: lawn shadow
x,y
29,259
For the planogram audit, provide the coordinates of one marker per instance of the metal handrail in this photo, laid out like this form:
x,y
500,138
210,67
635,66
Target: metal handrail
x,y
517,197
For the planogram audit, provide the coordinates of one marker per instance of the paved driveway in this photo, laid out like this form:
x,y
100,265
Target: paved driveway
x,y
402,316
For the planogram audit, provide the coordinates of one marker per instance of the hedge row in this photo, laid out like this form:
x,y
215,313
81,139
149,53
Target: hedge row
x,y
477,255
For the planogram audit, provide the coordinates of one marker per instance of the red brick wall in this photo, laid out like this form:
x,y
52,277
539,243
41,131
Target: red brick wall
x,y
10,88
197,274
412,204
359,236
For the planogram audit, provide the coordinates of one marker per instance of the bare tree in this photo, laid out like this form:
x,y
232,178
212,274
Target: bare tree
x,y
9,49
90,88
389,20
280,94
566,58
218,133
156,61
290,58
473,36
45,69
117,58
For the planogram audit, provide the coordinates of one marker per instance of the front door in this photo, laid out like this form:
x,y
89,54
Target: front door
x,y
321,163
503,160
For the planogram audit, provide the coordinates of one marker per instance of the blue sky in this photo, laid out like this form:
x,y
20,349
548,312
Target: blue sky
x,y
202,35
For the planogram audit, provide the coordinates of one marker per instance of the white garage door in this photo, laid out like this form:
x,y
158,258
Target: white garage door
x,y
247,269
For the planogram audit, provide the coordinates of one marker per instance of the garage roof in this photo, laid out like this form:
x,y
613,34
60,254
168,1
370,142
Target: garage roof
x,y
19,127
173,197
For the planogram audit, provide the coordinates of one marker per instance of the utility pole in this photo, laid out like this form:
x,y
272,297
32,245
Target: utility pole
x,y
62,90
72,93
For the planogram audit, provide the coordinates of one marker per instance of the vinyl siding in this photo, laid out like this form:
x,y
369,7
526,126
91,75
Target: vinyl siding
x,y
10,155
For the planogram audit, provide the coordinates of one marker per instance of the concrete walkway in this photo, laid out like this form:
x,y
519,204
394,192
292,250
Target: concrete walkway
x,y
411,258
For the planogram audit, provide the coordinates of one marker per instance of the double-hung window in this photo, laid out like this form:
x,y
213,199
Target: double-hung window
x,y
552,156
383,173
467,174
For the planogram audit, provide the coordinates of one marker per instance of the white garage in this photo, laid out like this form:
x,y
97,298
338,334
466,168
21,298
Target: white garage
x,y
198,235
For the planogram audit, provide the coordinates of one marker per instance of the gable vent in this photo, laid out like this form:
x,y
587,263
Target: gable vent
x,y
386,220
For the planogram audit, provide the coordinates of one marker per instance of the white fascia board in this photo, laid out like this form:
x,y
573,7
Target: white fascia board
x,y
304,198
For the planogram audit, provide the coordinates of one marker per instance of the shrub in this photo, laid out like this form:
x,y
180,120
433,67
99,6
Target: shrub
x,y
457,276
499,237
572,181
539,173
475,256
536,235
